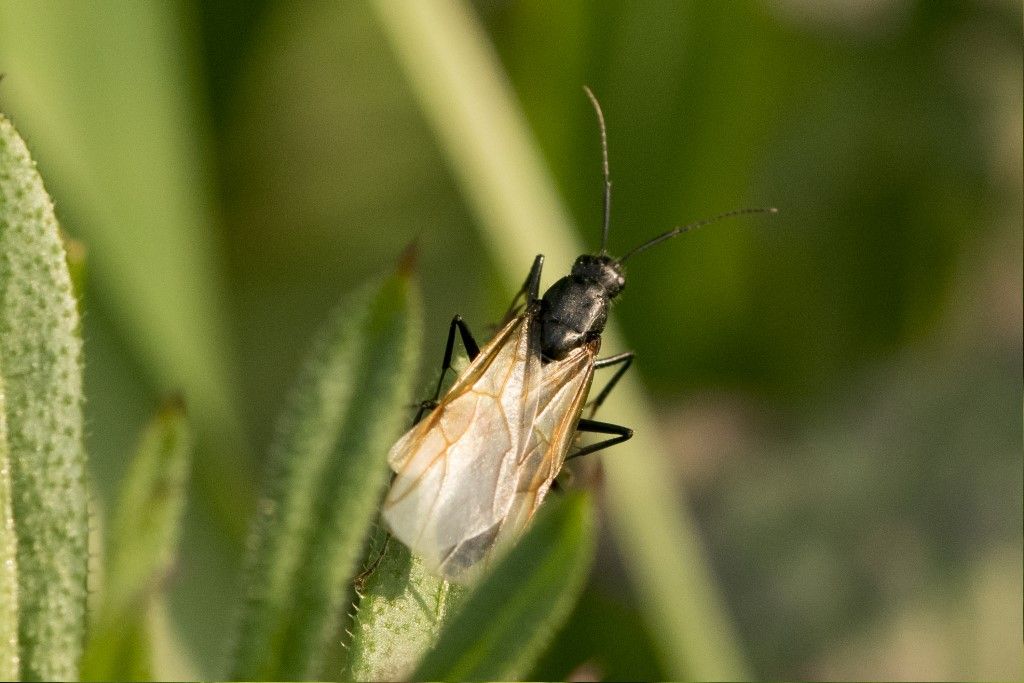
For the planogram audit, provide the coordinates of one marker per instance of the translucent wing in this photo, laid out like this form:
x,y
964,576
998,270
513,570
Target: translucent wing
x,y
560,398
457,470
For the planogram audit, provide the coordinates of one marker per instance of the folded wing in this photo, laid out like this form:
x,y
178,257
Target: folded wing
x,y
457,471
561,394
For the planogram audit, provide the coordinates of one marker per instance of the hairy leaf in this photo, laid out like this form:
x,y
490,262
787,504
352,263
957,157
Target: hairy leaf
x,y
42,378
327,472
400,612
8,559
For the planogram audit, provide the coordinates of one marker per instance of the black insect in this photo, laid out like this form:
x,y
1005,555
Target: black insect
x,y
473,472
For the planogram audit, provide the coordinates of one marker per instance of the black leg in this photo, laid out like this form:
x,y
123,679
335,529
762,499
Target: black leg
x,y
359,582
530,288
532,285
472,350
595,427
623,359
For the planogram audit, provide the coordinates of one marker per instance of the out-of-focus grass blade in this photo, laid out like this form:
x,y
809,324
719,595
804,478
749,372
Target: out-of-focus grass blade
x,y
399,615
465,96
120,651
327,471
42,380
8,557
142,543
503,625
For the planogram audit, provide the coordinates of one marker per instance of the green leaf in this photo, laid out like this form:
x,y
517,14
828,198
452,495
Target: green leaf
x,y
8,558
399,615
327,472
503,625
143,540
465,96
42,377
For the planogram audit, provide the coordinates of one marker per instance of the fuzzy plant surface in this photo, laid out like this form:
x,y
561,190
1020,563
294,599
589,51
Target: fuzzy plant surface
x,y
399,611
42,458
8,559
326,475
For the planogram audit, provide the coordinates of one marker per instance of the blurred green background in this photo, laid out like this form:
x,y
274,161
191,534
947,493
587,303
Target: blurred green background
x,y
839,386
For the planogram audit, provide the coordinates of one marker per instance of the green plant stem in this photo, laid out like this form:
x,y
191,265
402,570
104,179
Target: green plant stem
x,y
467,100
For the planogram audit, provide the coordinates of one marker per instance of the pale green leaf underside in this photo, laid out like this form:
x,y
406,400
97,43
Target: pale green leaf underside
x,y
399,615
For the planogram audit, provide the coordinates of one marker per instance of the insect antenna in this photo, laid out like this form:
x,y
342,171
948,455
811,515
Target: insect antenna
x,y
604,167
692,226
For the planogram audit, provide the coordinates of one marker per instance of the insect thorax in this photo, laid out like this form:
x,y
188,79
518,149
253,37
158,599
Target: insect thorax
x,y
574,310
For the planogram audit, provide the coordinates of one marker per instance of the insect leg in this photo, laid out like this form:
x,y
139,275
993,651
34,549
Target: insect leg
x,y
530,288
621,434
623,359
359,582
472,350
532,285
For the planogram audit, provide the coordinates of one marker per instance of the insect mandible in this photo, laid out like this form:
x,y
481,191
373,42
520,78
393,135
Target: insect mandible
x,y
470,475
